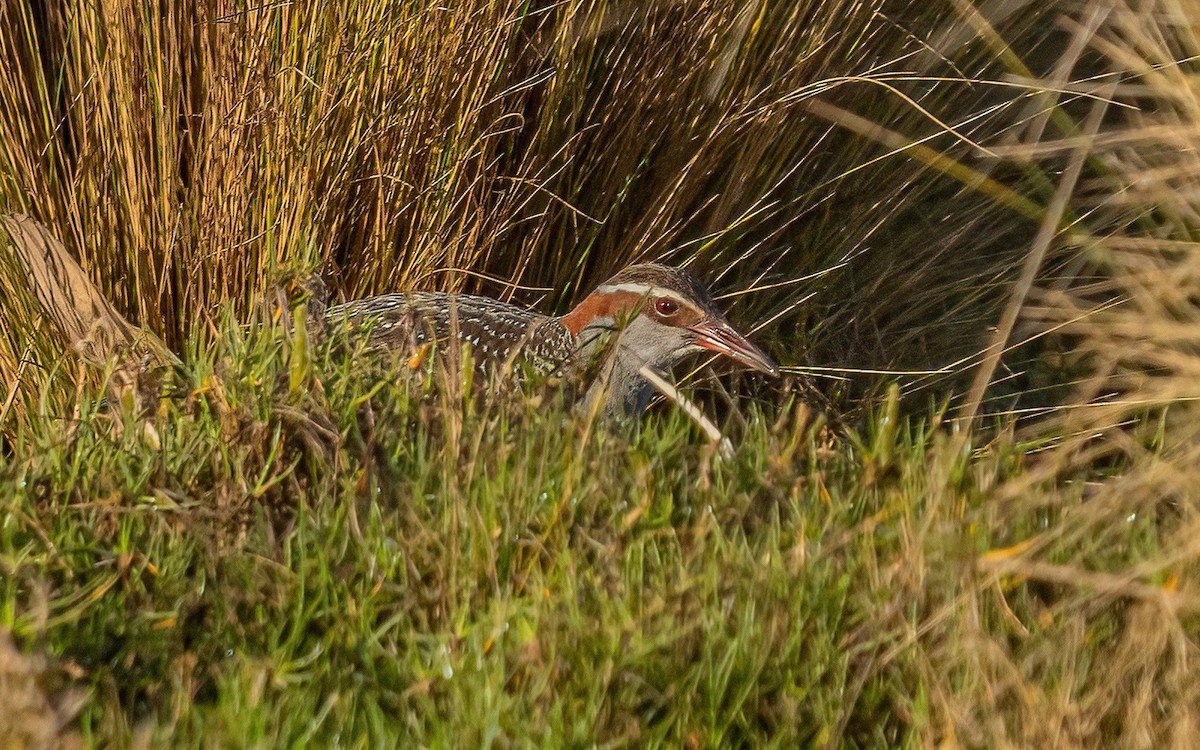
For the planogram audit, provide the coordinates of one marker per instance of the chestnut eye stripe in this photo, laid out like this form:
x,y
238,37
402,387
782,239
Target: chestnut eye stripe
x,y
653,292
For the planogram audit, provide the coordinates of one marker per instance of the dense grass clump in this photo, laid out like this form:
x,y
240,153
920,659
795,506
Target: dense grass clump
x,y
387,566
527,150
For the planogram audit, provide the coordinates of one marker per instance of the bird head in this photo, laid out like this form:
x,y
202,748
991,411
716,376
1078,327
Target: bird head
x,y
663,314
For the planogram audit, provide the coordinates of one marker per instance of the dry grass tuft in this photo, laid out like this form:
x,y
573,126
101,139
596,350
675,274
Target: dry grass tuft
x,y
183,151
1112,483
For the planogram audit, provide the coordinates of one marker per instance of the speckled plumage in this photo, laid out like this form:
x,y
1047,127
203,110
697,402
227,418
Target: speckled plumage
x,y
497,331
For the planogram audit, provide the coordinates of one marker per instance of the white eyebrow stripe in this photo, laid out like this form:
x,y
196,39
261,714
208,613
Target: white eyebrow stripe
x,y
647,290
644,289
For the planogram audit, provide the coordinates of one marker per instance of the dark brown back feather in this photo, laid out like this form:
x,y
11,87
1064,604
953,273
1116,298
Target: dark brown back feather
x,y
497,331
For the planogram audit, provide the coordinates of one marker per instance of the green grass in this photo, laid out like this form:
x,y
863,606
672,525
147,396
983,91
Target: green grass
x,y
444,578
364,562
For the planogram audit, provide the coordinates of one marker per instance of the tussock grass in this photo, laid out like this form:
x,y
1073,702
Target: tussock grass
x,y
1120,450
519,149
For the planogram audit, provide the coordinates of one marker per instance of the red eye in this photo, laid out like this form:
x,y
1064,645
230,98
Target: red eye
x,y
666,306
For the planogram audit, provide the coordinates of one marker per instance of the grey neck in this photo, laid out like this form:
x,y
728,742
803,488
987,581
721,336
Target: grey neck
x,y
617,379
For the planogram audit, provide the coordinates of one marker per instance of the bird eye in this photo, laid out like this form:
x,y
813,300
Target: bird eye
x,y
666,306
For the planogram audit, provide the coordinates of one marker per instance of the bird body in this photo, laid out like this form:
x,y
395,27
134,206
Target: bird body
x,y
495,330
647,315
